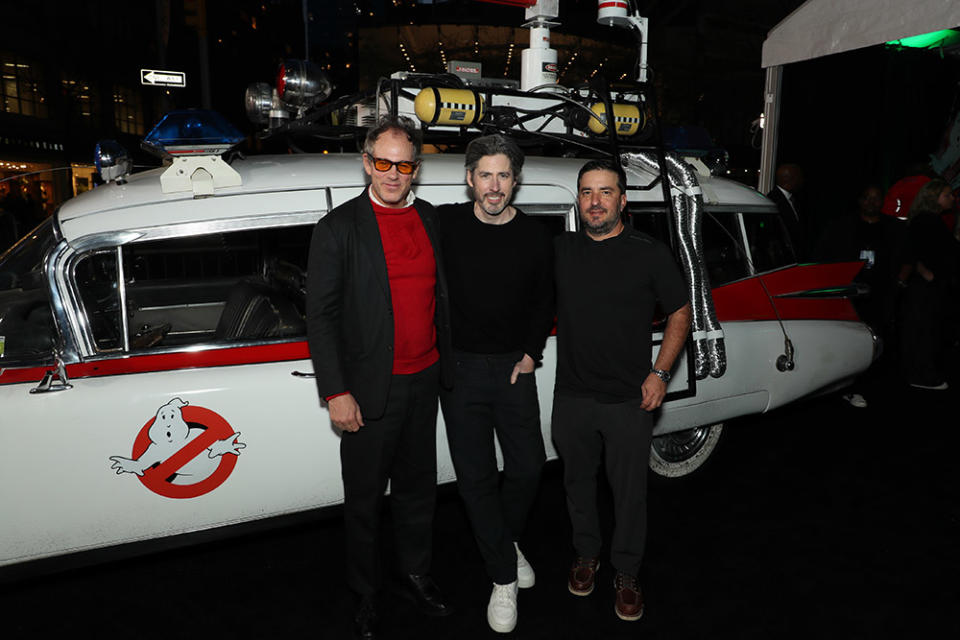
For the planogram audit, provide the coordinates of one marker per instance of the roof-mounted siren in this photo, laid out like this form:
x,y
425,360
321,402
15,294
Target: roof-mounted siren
x,y
615,13
263,106
193,140
539,63
302,85
112,161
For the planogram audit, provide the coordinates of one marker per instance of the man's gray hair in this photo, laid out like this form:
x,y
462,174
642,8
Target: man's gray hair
x,y
402,124
490,146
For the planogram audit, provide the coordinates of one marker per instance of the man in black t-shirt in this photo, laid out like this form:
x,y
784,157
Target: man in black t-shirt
x,y
609,280
499,266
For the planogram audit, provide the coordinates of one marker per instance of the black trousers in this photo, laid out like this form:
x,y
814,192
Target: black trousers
x,y
401,447
585,432
482,402
921,340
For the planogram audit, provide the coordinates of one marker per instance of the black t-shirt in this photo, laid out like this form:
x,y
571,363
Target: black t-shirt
x,y
607,292
500,279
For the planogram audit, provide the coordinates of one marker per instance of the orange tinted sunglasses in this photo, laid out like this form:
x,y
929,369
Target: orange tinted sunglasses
x,y
406,167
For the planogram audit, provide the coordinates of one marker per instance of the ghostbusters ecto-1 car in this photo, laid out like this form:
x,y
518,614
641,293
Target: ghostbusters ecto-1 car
x,y
154,374
155,380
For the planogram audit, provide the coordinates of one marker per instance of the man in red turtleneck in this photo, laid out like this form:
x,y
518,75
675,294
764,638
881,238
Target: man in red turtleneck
x,y
379,333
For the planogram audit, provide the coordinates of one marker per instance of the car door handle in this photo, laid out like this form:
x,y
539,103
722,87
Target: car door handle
x,y
301,374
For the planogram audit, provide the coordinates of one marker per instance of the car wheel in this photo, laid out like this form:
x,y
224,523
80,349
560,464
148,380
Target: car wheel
x,y
676,454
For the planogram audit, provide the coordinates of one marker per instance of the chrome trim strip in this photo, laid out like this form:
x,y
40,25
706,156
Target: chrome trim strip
x,y
195,348
63,318
122,289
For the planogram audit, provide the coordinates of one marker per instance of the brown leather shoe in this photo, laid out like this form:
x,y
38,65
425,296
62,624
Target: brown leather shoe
x,y
582,575
629,604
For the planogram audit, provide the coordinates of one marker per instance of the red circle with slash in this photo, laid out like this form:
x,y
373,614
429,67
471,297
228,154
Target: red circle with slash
x,y
155,478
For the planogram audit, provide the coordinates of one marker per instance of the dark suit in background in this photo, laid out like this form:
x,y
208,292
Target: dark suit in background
x,y
796,226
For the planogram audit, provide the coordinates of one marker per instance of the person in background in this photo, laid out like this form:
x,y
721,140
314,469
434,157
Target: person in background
x,y
790,181
874,238
928,277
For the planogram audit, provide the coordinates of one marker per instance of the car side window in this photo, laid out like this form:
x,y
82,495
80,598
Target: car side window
x,y
96,278
723,248
770,245
228,287
652,221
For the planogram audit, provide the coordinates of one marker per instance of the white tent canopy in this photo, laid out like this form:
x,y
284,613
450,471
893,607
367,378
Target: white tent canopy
x,y
823,27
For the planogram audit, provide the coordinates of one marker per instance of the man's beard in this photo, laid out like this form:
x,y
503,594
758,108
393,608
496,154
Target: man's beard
x,y
604,227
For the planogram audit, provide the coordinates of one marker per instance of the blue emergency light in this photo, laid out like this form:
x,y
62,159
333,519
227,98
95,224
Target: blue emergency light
x,y
192,132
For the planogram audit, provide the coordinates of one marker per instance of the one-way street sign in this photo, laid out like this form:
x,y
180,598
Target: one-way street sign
x,y
157,78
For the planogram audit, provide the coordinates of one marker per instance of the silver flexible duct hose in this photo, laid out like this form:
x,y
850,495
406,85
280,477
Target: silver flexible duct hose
x,y
710,356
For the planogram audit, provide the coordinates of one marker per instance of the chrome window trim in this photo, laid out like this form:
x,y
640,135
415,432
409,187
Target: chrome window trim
x,y
751,268
64,307
200,347
122,290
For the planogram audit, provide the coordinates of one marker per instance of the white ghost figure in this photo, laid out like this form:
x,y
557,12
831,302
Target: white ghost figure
x,y
168,434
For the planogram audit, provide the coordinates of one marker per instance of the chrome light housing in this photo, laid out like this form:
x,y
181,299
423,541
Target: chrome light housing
x,y
112,161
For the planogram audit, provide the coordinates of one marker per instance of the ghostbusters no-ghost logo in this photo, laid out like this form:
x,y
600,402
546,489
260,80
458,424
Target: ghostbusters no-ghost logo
x,y
183,451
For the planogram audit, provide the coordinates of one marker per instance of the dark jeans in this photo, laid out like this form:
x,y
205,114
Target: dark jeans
x,y
402,447
482,402
585,432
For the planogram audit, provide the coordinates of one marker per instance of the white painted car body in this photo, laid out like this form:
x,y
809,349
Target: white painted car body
x,y
59,493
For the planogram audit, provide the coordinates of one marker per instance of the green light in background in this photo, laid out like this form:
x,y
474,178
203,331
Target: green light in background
x,y
928,40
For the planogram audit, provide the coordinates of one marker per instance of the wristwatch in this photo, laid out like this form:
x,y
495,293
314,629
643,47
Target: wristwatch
x,y
663,375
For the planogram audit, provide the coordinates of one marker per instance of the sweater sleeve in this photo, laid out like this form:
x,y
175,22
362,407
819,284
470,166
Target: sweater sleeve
x,y
543,305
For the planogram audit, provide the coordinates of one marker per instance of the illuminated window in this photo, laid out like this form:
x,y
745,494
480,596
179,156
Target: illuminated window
x,y
21,90
81,96
127,111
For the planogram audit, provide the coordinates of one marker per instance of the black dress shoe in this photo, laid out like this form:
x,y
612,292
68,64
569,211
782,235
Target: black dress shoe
x,y
425,593
366,620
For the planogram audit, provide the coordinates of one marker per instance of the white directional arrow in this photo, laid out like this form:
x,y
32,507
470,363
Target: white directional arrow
x,y
158,78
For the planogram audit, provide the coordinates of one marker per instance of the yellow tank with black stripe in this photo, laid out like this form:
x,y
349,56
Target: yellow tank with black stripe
x,y
627,118
456,107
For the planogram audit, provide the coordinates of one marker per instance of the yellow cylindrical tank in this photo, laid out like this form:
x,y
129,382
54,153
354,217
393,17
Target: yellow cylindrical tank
x,y
627,117
456,107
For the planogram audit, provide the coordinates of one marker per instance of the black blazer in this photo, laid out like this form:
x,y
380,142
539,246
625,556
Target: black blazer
x,y
349,310
796,227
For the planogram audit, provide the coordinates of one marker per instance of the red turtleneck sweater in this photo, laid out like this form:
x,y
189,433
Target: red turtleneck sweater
x,y
412,272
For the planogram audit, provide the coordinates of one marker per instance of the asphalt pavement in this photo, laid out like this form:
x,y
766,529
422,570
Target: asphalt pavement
x,y
817,520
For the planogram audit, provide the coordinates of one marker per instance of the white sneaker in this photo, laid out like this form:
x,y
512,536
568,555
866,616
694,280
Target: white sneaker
x,y
502,610
856,400
525,575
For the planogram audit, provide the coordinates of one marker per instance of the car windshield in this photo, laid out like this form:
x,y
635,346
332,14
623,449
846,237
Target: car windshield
x,y
26,323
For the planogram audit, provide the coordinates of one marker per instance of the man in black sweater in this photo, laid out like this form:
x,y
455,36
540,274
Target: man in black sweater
x,y
609,281
499,265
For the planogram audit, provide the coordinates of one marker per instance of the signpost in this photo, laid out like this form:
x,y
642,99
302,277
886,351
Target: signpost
x,y
158,78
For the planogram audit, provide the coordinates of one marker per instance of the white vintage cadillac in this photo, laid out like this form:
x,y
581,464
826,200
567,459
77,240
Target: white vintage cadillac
x,y
155,379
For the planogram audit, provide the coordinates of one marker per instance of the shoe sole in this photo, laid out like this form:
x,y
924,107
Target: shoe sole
x,y
501,628
579,593
625,617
